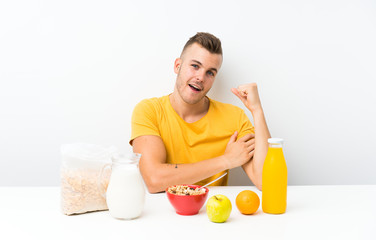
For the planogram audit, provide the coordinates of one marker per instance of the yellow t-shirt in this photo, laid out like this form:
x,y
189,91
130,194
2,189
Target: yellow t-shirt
x,y
190,142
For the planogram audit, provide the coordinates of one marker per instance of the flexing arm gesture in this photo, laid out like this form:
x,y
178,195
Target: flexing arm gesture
x,y
248,94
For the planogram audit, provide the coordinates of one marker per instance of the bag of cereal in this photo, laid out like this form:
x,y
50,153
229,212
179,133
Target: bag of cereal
x,y
82,187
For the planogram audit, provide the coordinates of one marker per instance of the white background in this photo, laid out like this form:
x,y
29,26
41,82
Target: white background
x,y
73,70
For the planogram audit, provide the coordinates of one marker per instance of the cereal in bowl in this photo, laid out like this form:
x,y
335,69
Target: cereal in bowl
x,y
185,190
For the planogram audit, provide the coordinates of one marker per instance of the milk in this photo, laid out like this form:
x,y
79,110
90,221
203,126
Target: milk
x,y
125,193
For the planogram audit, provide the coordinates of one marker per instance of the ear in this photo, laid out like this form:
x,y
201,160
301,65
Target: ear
x,y
177,65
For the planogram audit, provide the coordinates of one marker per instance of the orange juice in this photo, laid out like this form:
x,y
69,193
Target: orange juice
x,y
274,179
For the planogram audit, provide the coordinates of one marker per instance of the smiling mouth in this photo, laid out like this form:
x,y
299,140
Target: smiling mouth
x,y
195,88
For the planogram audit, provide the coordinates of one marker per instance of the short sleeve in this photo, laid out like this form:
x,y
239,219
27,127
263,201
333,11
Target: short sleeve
x,y
144,120
245,125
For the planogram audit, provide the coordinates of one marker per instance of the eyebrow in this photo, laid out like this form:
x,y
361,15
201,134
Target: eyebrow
x,y
213,69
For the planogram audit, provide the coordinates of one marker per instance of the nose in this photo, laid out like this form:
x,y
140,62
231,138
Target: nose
x,y
200,76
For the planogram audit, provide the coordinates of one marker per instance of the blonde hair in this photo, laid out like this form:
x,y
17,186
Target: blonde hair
x,y
207,41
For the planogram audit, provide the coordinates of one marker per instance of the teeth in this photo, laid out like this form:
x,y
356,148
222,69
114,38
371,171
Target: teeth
x,y
198,89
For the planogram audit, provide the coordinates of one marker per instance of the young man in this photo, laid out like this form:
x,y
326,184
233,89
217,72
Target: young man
x,y
187,138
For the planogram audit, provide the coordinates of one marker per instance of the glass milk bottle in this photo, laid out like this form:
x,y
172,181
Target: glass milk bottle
x,y
125,194
274,179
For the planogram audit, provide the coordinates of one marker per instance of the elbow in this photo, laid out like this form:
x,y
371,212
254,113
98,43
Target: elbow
x,y
153,189
256,178
259,186
258,182
153,184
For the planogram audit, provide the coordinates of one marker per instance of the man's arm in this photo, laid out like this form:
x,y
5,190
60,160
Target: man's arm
x,y
158,175
248,94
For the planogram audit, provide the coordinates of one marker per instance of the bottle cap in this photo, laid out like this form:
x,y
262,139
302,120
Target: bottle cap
x,y
275,140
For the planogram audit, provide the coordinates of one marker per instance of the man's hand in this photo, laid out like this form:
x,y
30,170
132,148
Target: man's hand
x,y
248,94
239,152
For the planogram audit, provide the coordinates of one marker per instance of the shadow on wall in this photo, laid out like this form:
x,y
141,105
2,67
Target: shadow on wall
x,y
237,177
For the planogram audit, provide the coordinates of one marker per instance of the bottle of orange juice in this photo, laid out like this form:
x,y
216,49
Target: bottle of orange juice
x,y
274,179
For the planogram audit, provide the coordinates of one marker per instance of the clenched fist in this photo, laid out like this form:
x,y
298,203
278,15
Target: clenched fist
x,y
248,94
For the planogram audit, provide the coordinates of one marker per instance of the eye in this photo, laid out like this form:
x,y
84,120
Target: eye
x,y
195,66
210,73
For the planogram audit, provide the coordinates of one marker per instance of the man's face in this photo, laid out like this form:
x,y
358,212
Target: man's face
x,y
196,69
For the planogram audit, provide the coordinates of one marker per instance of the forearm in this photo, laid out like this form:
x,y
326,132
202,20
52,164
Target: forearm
x,y
254,167
164,175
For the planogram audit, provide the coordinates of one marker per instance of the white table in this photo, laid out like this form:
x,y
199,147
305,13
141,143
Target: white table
x,y
313,212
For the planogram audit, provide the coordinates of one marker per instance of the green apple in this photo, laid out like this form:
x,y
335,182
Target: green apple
x,y
218,208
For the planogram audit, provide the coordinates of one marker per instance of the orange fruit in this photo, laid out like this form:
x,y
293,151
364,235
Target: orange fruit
x,y
247,202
